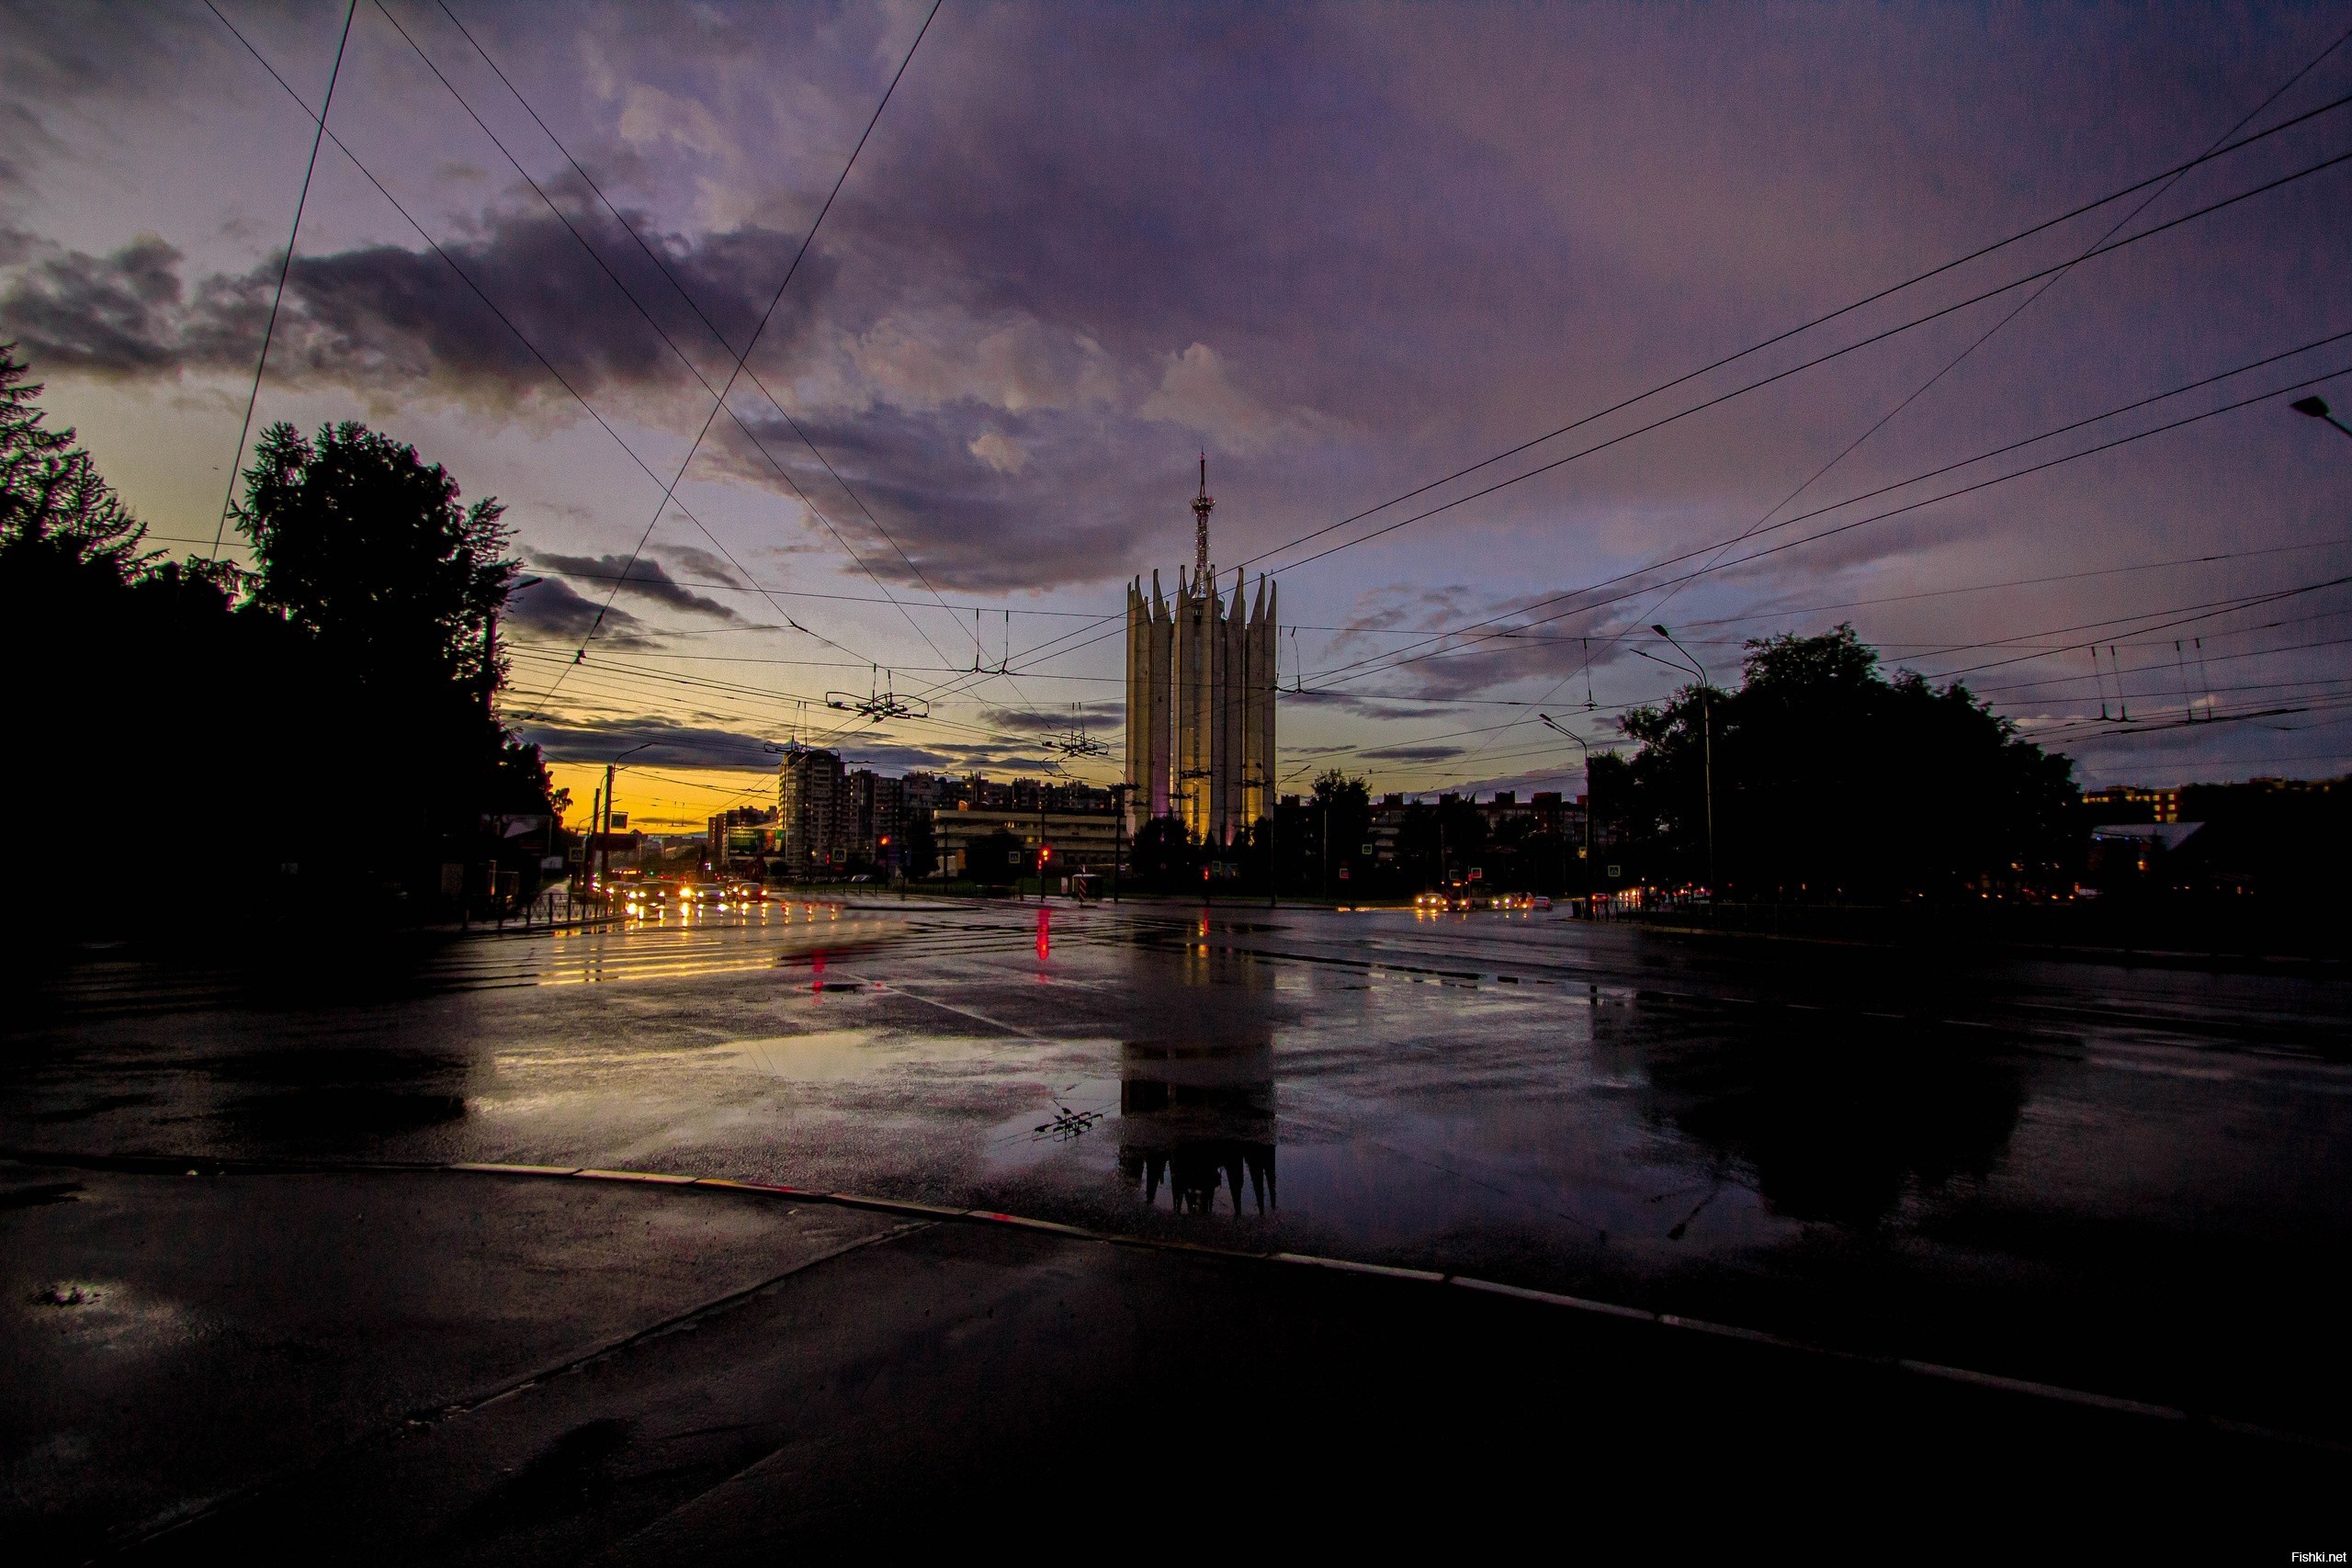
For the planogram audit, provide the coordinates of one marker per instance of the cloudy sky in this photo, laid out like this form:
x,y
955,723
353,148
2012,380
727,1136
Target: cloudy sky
x,y
1345,251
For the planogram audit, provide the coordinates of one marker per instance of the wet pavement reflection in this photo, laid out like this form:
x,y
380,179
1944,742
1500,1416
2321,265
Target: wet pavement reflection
x,y
2058,1169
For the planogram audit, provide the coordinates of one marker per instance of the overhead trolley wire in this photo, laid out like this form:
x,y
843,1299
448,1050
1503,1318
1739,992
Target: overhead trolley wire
x,y
777,298
493,308
653,256
640,306
1396,658
660,262
1819,360
285,266
1658,606
740,362
2175,170
2221,150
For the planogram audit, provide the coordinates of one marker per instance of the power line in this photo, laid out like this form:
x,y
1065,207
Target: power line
x,y
740,362
1803,327
1398,657
662,332
277,297
661,264
1810,364
765,317
1658,606
520,336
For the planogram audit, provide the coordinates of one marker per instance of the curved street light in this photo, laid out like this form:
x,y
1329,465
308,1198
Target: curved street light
x,y
2316,408
1589,798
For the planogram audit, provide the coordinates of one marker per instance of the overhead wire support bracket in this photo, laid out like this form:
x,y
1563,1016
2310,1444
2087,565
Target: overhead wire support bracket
x,y
879,703
1076,742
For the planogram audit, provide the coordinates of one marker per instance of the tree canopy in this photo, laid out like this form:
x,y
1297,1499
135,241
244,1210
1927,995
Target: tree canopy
x,y
365,548
324,712
1831,780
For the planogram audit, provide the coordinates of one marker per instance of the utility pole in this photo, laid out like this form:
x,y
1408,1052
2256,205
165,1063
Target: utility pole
x,y
1326,875
1274,847
604,841
1707,726
604,864
587,866
1118,834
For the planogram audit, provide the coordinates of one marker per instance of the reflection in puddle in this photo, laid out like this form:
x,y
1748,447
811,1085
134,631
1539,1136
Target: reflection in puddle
x,y
1194,1115
1838,1119
820,1056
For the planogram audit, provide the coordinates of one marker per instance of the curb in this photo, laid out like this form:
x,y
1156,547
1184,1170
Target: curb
x,y
2028,1388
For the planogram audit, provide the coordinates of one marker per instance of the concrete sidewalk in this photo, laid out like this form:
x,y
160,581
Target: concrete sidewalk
x,y
395,1365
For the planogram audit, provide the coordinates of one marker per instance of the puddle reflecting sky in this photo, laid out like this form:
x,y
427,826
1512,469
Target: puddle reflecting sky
x,y
1537,1102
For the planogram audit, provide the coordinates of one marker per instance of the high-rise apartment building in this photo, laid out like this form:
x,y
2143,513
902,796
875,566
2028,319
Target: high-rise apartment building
x,y
812,813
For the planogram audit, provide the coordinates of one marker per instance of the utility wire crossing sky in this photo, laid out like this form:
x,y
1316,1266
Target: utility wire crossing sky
x,y
866,347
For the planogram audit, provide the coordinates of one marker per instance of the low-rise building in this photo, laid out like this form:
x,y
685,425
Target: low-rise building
x,y
2133,802
1079,840
741,839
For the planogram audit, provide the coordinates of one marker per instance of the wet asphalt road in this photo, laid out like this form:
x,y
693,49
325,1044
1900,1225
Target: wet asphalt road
x,y
2127,1179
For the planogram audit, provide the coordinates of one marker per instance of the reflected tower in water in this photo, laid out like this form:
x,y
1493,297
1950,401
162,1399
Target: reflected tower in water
x,y
1196,1115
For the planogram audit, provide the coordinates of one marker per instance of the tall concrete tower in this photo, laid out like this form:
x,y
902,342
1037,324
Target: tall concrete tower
x,y
1201,685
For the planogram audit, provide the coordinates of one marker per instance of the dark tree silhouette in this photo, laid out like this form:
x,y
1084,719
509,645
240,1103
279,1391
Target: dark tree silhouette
x,y
995,860
51,497
361,545
315,730
1832,781
1164,857
921,857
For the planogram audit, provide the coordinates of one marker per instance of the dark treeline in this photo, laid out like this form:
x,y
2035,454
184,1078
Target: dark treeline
x,y
195,740
1833,783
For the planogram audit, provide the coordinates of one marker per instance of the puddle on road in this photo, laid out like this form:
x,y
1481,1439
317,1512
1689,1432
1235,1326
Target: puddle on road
x,y
825,1055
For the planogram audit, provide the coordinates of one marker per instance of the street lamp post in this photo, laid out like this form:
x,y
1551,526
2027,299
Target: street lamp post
x,y
1590,797
2316,408
604,865
1707,730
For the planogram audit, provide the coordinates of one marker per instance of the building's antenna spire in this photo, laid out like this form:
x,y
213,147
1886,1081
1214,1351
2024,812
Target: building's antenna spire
x,y
1201,506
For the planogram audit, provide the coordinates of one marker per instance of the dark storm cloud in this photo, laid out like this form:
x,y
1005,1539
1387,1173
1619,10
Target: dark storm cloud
x,y
671,744
1369,706
1055,718
1493,657
388,315
1342,250
961,521
889,757
640,579
114,313
1411,753
550,608
702,563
